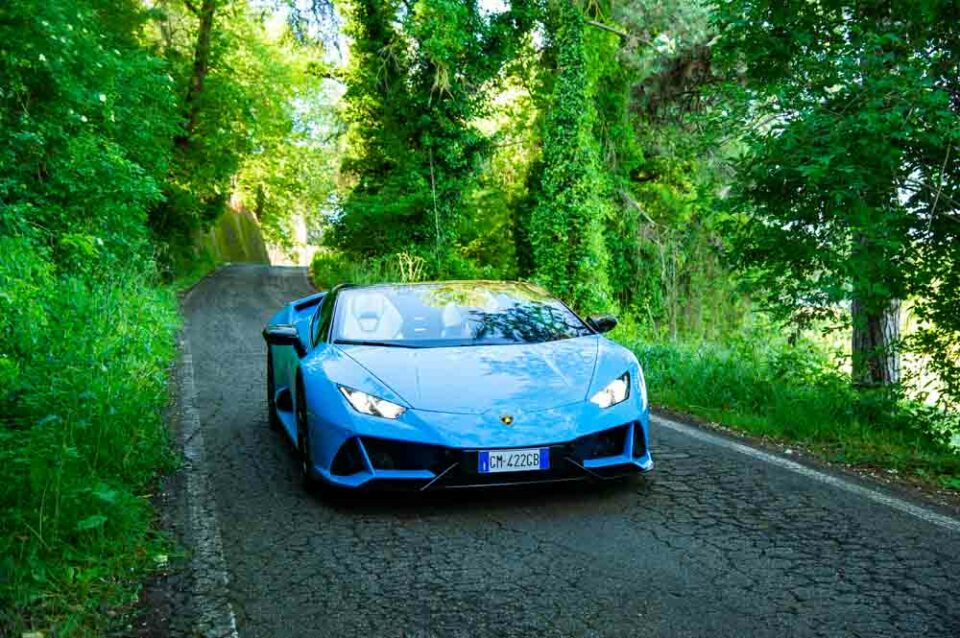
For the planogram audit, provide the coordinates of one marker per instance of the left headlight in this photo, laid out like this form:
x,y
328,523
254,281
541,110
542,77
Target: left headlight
x,y
369,404
616,392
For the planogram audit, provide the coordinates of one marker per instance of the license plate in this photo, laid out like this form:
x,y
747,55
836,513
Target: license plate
x,y
489,461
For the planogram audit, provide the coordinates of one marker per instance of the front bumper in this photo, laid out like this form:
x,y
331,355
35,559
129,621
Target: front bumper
x,y
379,463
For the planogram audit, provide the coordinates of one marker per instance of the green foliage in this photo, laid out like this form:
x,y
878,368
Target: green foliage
x,y
416,81
763,385
847,186
566,226
84,370
330,268
248,136
85,121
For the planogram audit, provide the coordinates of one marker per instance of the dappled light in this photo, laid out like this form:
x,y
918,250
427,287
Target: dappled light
x,y
764,194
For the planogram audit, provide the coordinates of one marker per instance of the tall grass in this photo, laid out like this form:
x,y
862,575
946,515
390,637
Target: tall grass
x,y
761,384
330,268
84,365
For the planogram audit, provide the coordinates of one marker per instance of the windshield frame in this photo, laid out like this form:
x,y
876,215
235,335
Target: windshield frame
x,y
337,317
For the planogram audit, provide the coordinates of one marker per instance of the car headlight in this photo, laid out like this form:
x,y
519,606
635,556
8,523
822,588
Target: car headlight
x,y
369,404
616,392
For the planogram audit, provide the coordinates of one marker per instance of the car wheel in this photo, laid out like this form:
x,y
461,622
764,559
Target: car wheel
x,y
303,441
272,417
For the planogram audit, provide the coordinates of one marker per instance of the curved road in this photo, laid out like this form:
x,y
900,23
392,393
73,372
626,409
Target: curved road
x,y
714,543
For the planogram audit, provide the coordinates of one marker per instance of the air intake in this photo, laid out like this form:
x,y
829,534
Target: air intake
x,y
348,460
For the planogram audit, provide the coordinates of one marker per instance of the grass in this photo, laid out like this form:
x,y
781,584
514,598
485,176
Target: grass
x,y
329,268
762,386
84,388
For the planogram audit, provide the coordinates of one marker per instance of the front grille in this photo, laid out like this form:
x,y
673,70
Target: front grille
x,y
610,442
386,454
459,467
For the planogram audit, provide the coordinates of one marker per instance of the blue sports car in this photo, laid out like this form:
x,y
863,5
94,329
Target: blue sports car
x,y
453,384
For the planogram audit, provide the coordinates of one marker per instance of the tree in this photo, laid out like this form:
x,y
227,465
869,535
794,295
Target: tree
x,y
567,224
846,193
418,79
242,77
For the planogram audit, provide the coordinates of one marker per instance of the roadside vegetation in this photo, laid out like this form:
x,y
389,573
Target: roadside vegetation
x,y
123,131
767,193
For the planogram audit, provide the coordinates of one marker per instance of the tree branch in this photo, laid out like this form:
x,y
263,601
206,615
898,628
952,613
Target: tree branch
x,y
622,34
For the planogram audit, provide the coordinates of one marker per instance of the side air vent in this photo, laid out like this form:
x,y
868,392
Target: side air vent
x,y
348,459
639,443
610,442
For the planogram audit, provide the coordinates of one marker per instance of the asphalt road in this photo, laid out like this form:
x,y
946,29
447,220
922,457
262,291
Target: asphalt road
x,y
714,543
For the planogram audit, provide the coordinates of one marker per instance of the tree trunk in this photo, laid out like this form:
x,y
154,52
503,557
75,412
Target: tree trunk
x,y
201,66
876,336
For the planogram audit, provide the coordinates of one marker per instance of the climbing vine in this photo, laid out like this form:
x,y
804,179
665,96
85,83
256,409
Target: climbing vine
x,y
567,223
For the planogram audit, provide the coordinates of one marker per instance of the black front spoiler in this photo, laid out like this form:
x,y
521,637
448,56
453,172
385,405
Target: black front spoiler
x,y
454,477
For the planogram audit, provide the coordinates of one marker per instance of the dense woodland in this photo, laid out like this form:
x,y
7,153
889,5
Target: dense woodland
x,y
767,194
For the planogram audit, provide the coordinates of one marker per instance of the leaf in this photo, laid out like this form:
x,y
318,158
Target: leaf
x,y
105,494
952,483
92,522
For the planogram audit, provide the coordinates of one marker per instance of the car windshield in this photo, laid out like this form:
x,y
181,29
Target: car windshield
x,y
452,314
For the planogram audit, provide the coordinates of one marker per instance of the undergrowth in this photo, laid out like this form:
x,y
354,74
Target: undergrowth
x,y
760,384
83,371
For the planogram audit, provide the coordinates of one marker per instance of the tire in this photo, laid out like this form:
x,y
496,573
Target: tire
x,y
310,482
272,419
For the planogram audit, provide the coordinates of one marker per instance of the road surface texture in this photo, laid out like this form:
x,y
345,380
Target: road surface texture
x,y
714,543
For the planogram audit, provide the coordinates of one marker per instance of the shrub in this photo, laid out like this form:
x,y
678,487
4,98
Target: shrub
x,y
761,384
84,370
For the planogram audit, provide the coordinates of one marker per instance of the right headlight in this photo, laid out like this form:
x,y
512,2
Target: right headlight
x,y
617,391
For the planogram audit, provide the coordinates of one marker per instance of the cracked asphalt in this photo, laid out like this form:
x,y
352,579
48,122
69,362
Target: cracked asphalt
x,y
713,543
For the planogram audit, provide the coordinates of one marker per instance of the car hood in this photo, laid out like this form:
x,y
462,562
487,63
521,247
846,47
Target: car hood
x,y
478,379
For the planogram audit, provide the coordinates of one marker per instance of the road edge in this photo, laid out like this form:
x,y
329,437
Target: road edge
x,y
865,487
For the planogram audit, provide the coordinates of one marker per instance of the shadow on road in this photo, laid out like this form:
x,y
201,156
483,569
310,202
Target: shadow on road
x,y
459,500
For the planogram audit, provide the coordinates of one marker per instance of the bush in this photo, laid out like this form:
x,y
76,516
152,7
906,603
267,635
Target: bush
x,y
761,384
84,370
330,268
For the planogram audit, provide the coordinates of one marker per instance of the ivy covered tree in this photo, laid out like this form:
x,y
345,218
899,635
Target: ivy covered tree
x,y
566,226
847,194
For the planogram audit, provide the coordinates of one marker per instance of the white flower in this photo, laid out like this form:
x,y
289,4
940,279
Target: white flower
x,y
103,97
42,58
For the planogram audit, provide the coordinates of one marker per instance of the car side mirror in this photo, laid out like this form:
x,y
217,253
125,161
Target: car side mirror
x,y
284,335
602,323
